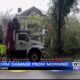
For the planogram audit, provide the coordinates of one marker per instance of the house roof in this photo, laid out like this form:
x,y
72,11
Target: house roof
x,y
28,12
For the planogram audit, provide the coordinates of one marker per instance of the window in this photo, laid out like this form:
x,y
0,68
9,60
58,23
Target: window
x,y
23,37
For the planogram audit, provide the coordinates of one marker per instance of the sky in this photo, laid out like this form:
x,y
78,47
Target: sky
x,y
13,5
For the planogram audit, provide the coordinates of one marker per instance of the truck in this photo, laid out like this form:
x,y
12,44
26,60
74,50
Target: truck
x,y
20,45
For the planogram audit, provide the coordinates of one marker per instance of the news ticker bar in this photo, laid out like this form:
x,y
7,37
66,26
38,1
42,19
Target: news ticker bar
x,y
40,65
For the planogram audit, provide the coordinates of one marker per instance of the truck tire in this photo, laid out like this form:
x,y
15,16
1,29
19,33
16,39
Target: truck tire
x,y
34,56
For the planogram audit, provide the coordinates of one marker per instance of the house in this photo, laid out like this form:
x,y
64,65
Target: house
x,y
23,17
30,12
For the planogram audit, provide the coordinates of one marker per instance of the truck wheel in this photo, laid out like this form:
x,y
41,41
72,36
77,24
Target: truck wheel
x,y
34,57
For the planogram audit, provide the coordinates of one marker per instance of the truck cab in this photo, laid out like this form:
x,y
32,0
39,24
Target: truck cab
x,y
26,46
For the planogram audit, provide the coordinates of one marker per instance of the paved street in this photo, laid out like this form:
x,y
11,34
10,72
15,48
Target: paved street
x,y
39,75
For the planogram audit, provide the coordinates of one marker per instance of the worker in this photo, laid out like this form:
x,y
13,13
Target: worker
x,y
3,50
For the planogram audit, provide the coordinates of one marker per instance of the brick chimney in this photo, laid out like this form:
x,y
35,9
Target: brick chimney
x,y
19,10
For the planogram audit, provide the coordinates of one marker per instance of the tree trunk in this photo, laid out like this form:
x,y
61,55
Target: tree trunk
x,y
59,25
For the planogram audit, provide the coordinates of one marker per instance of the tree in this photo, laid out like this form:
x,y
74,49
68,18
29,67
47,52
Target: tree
x,y
1,32
4,18
59,10
71,36
36,22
